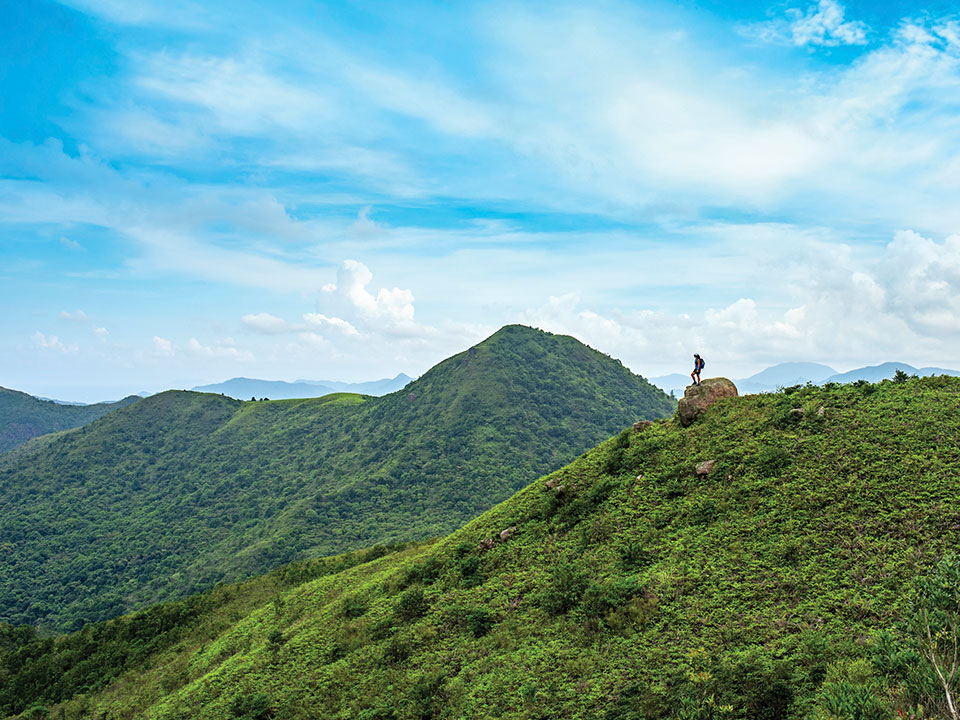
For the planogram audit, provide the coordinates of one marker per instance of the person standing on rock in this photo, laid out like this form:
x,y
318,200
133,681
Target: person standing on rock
x,y
698,364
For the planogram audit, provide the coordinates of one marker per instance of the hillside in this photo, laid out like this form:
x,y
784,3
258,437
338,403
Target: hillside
x,y
625,587
184,490
23,416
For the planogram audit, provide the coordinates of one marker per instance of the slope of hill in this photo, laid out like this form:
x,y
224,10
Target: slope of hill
x,y
183,490
624,586
23,416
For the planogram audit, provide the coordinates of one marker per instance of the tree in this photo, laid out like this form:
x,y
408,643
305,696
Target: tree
x,y
934,626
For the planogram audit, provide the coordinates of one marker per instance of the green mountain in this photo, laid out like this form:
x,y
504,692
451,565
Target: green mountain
x,y
23,416
183,490
636,582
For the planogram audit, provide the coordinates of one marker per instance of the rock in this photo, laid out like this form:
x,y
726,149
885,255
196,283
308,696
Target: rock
x,y
642,425
504,534
697,398
821,410
485,544
705,468
796,413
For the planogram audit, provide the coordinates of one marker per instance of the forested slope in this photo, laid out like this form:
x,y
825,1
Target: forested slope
x,y
183,490
23,416
627,586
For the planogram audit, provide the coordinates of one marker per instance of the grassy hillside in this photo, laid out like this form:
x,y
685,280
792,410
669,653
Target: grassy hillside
x,y
23,416
626,586
183,490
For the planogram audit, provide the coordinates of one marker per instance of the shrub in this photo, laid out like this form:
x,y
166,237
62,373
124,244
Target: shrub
x,y
353,607
252,706
564,588
480,621
634,555
845,700
410,605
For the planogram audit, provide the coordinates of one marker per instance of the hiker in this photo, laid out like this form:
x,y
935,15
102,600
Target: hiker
x,y
698,364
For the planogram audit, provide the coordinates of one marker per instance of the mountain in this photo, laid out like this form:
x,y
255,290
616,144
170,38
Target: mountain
x,y
876,373
23,416
241,388
785,375
635,582
375,387
675,383
183,490
247,388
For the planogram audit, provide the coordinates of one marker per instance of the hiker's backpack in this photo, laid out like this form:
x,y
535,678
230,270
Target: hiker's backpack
x,y
701,364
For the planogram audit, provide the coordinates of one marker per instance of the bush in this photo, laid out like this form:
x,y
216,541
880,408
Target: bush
x,y
480,621
353,607
410,605
845,700
252,706
565,587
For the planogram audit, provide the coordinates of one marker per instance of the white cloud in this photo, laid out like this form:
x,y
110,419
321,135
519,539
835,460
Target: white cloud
x,y
394,305
68,243
226,348
820,24
321,320
101,333
240,94
78,316
52,342
162,346
265,323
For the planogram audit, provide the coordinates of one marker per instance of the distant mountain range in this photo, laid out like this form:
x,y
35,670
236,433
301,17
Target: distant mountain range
x,y
23,416
800,373
246,388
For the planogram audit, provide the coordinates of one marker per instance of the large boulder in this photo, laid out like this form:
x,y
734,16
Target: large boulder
x,y
697,398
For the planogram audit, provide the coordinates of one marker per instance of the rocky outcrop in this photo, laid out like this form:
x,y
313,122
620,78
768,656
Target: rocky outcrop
x,y
697,398
705,468
642,425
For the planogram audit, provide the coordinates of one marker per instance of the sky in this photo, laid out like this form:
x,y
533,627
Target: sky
x,y
192,191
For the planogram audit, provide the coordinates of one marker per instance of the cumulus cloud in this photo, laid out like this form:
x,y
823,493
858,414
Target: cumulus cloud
x,y
52,342
101,333
77,316
68,243
392,305
265,323
836,305
820,24
321,320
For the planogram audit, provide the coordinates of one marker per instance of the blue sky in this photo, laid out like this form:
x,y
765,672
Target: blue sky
x,y
192,191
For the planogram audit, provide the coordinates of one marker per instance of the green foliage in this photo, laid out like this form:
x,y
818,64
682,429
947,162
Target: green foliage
x,y
410,605
252,706
23,416
564,588
183,490
623,605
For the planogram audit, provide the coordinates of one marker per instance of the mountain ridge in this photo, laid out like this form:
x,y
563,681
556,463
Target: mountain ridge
x,y
24,416
183,490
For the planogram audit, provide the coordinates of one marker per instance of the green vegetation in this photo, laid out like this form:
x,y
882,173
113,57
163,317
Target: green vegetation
x,y
183,490
23,416
795,580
